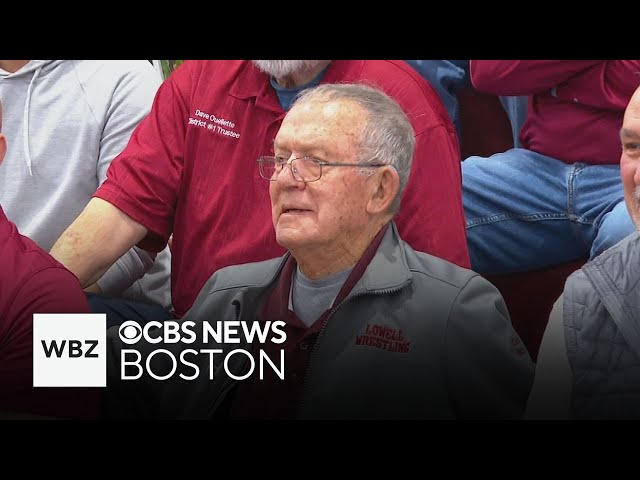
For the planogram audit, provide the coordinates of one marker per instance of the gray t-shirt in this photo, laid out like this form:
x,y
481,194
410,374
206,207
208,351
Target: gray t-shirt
x,y
310,298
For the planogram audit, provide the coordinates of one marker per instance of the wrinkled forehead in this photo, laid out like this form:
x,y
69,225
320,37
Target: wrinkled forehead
x,y
323,119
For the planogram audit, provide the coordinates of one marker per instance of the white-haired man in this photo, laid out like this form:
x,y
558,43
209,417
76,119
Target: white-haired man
x,y
373,328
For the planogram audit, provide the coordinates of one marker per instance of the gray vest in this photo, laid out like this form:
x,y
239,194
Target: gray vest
x,y
602,333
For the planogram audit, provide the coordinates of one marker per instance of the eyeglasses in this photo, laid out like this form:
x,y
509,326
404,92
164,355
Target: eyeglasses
x,y
304,169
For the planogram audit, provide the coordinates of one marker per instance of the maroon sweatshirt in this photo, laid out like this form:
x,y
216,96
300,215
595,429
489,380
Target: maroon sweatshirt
x,y
575,107
31,281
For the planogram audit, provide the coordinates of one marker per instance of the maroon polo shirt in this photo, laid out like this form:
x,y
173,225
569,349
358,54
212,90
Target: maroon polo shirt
x,y
31,281
190,168
272,398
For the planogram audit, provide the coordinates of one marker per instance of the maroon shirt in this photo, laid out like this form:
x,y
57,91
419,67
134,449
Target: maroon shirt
x,y
575,107
31,281
190,168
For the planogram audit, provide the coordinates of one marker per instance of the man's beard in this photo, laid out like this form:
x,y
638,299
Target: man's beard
x,y
284,68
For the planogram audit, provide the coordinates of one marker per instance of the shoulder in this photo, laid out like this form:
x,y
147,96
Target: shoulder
x,y
429,268
194,70
112,70
619,256
37,283
253,274
23,257
30,264
415,94
395,72
611,268
459,292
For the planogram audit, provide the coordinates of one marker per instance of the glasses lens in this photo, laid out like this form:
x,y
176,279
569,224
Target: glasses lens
x,y
267,167
306,169
303,169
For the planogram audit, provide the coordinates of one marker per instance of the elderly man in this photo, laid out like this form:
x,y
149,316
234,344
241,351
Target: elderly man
x,y
589,362
373,328
188,171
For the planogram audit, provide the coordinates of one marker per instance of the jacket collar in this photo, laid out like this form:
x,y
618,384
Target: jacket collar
x,y
388,269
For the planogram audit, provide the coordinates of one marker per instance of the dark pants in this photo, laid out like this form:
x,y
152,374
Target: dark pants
x,y
120,310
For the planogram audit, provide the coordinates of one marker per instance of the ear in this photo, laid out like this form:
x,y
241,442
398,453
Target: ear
x,y
386,185
3,146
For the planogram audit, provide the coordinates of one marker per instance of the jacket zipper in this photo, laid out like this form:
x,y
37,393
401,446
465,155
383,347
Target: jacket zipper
x,y
231,382
307,374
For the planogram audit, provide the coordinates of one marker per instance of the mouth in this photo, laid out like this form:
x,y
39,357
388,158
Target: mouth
x,y
294,211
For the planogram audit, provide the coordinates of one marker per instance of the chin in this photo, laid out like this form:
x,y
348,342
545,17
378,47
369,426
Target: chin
x,y
286,238
291,238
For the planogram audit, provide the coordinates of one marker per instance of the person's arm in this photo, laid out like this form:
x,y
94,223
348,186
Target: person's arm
x,y
98,237
524,77
130,102
431,217
608,85
551,393
489,370
136,203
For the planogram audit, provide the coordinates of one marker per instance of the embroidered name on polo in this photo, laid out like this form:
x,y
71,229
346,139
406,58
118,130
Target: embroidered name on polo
x,y
213,123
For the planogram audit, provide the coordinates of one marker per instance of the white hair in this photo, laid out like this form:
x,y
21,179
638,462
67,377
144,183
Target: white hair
x,y
284,68
388,136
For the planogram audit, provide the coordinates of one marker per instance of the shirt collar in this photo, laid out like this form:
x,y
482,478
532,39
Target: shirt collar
x,y
252,83
276,306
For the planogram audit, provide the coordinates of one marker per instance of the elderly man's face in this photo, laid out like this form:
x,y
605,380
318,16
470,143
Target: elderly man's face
x,y
630,159
330,212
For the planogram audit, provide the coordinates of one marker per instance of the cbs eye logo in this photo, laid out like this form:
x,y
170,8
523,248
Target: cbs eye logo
x,y
130,332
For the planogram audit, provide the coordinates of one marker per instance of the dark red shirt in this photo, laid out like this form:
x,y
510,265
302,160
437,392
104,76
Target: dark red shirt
x,y
575,107
31,281
190,168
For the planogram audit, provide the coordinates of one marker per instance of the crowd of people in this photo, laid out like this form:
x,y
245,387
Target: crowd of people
x,y
376,269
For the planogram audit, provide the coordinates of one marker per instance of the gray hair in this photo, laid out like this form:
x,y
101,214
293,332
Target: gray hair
x,y
388,136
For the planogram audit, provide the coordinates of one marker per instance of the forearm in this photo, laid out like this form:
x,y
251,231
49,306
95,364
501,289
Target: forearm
x,y
608,85
524,77
96,239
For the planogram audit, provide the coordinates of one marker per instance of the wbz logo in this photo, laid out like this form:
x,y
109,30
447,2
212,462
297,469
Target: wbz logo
x,y
69,350
74,349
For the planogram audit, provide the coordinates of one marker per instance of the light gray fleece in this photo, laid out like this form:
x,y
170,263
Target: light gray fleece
x,y
65,121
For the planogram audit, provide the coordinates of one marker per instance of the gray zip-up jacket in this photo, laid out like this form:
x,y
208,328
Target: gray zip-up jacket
x,y
602,334
460,358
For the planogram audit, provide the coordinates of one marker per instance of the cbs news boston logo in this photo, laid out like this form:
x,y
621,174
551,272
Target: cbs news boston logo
x,y
69,350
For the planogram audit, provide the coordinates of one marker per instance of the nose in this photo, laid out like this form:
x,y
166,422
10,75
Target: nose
x,y
287,180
